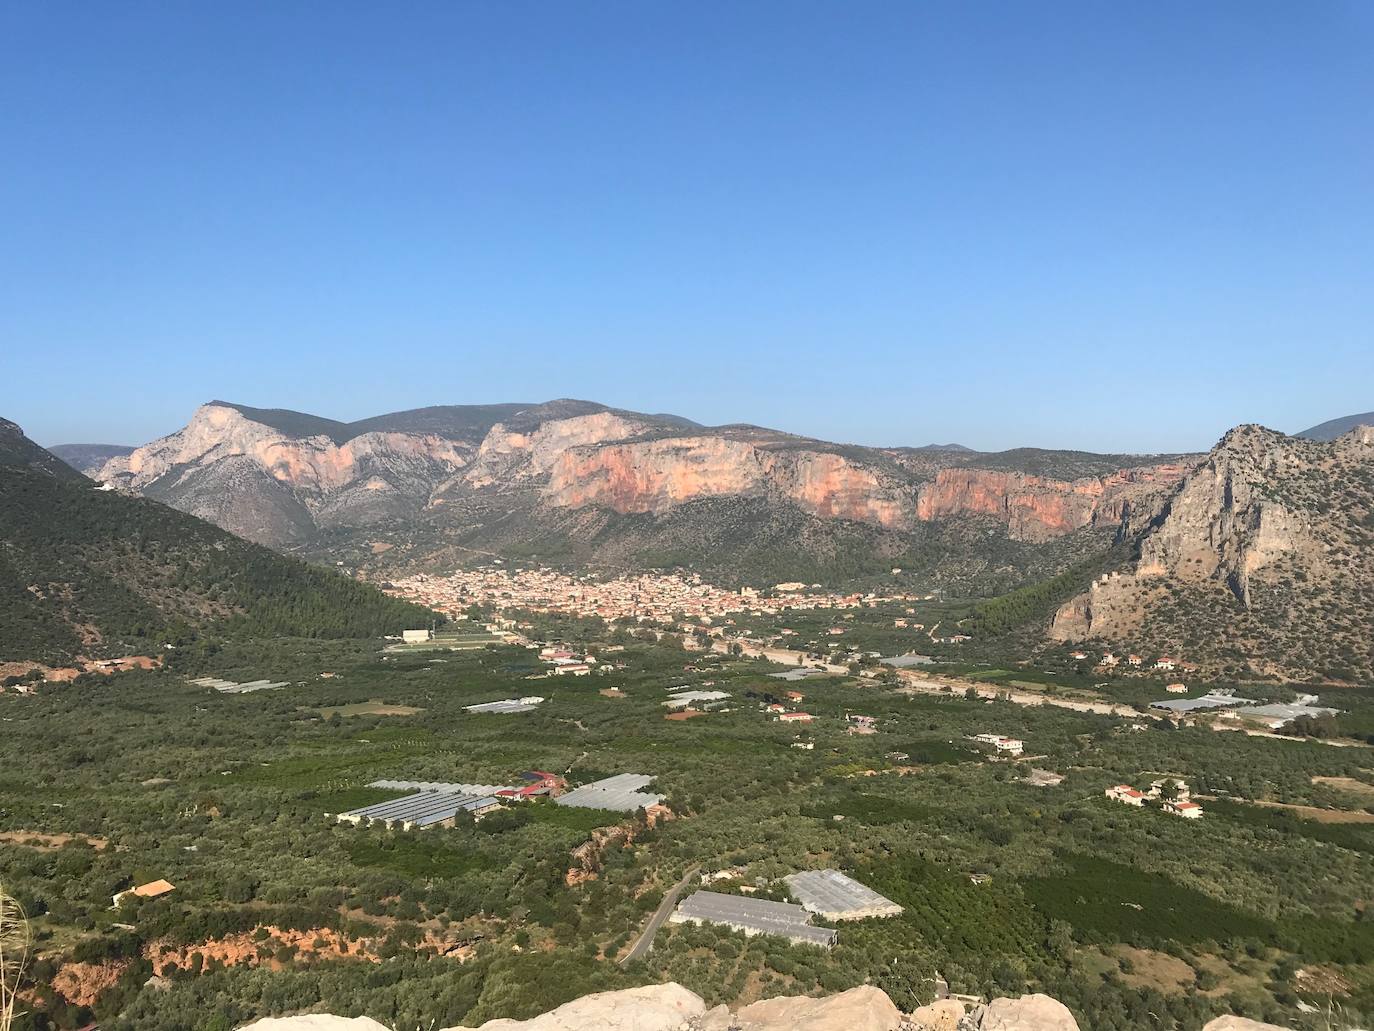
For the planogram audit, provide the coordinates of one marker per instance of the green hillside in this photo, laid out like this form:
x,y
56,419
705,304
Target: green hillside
x,y
89,572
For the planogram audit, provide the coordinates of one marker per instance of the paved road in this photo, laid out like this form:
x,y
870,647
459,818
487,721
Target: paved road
x,y
646,940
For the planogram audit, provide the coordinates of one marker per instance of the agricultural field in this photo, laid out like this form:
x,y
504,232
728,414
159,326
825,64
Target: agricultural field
x,y
1006,886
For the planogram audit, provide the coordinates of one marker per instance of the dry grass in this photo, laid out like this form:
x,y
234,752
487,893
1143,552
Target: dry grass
x,y
49,842
372,708
1350,784
1316,815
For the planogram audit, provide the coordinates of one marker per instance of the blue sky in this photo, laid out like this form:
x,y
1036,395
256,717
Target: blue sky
x,y
1102,226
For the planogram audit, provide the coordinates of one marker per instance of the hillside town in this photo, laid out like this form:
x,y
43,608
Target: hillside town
x,y
643,597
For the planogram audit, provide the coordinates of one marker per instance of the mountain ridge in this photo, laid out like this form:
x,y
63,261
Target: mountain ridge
x,y
557,477
92,573
1333,428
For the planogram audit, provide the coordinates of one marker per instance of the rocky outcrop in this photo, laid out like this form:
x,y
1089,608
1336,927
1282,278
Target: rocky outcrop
x,y
671,1007
860,1009
660,1007
316,1022
1267,526
1028,1013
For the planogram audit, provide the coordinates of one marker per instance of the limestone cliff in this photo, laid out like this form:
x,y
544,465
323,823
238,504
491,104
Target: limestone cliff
x,y
492,478
1269,532
275,487
1036,508
654,475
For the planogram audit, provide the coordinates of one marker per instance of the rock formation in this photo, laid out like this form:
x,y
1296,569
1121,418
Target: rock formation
x,y
671,1007
860,1009
659,1007
288,479
1269,528
1028,1013
316,1022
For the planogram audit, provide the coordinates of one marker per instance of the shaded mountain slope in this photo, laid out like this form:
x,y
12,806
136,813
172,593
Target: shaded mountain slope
x,y
89,572
1334,428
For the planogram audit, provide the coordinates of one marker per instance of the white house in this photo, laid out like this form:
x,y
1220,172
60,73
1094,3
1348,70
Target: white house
x,y
1187,810
1126,794
1004,745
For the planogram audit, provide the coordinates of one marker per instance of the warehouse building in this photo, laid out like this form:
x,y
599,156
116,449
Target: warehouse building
x,y
229,687
422,809
620,794
506,705
834,896
684,699
753,916
1224,699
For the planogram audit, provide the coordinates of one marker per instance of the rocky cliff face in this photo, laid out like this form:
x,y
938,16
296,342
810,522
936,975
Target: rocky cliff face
x,y
1273,529
653,476
1036,508
274,487
504,475
656,475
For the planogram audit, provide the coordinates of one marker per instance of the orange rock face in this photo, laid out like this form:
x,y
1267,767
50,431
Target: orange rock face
x,y
653,476
1037,509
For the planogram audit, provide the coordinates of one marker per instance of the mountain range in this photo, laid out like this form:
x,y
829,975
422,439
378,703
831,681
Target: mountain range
x,y
90,573
1248,559
578,481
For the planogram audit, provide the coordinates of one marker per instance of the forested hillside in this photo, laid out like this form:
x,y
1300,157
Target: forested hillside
x,y
91,572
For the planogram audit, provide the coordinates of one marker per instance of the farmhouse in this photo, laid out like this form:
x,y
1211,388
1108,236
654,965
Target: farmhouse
x,y
1187,810
151,890
1177,688
1126,794
571,669
1003,745
794,717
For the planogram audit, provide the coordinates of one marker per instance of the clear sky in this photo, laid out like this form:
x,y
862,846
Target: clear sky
x,y
1103,226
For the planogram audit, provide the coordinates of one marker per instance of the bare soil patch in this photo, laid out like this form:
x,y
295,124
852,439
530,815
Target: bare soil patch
x,y
372,708
1350,784
1311,812
50,842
